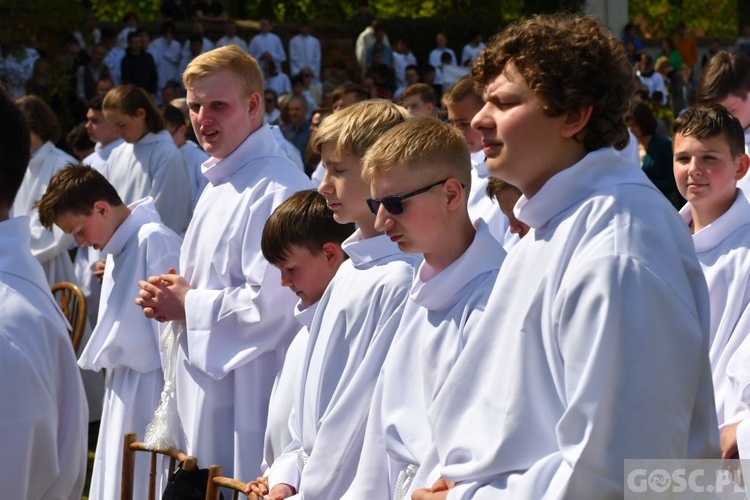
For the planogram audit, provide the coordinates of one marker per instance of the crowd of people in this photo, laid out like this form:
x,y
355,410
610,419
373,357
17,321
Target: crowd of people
x,y
452,283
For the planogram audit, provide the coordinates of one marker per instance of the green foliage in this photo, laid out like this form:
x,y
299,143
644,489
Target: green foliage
x,y
114,10
709,18
501,11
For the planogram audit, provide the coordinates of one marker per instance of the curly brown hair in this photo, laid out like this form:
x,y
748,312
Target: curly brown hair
x,y
568,61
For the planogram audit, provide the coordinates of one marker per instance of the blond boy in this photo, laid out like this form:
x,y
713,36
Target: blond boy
x,y
355,322
420,176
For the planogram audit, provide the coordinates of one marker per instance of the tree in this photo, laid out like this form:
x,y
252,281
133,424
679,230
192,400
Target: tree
x,y
710,18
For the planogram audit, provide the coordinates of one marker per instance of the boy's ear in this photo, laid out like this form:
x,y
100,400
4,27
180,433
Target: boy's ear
x,y
453,189
576,119
743,163
102,208
140,113
333,253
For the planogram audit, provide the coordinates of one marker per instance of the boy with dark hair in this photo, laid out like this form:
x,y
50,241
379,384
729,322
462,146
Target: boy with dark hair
x,y
44,416
463,102
709,159
507,195
419,99
192,154
725,79
301,239
598,314
81,202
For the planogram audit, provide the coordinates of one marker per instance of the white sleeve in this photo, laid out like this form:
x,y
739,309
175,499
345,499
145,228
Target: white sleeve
x,y
230,327
170,189
372,479
331,468
624,388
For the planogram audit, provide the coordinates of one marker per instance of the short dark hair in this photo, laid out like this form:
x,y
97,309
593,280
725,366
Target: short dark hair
x,y
303,220
711,120
96,102
725,74
74,189
425,92
78,139
496,186
642,116
15,148
359,91
462,89
173,116
40,117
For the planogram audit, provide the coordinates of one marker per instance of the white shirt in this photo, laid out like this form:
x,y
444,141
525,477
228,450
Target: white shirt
x,y
238,314
440,314
281,404
470,53
194,157
126,343
304,52
167,54
49,247
365,40
153,167
434,60
98,159
232,40
16,71
113,60
400,62
486,208
267,42
655,82
280,83
723,250
44,416
597,316
350,335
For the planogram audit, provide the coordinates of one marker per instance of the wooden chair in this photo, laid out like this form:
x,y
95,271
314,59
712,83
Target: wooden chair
x,y
216,481
130,447
71,300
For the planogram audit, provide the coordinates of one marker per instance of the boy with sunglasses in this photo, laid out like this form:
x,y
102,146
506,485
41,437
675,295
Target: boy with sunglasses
x,y
447,297
594,346
355,322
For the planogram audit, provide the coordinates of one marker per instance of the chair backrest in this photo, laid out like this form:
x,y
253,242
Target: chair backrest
x,y
216,481
129,449
71,300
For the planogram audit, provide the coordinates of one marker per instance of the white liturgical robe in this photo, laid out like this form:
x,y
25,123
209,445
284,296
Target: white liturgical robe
x,y
350,335
481,205
593,349
153,167
237,313
280,407
126,343
438,317
723,250
44,416
49,247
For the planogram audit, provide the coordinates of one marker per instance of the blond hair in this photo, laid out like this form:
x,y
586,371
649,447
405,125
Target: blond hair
x,y
228,58
422,143
355,128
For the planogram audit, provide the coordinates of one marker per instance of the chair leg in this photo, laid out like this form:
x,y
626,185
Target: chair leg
x,y
128,467
212,490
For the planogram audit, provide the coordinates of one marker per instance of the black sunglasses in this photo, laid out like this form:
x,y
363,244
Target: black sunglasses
x,y
394,204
